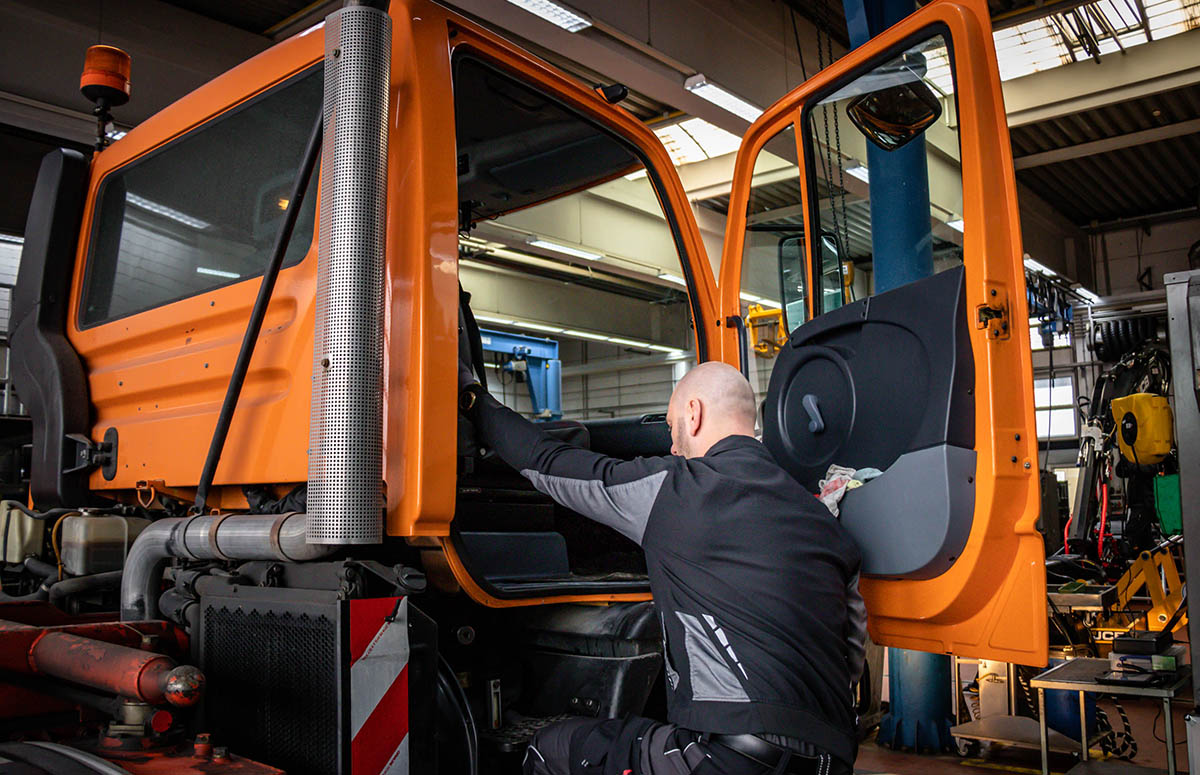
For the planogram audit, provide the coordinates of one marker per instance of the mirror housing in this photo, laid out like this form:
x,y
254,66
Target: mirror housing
x,y
894,116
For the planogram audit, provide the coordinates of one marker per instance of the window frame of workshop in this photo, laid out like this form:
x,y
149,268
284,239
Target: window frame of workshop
x,y
1046,386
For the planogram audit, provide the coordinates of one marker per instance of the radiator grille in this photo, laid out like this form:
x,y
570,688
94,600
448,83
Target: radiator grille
x,y
273,687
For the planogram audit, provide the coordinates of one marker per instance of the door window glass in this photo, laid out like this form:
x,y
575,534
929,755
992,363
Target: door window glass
x,y
893,128
566,247
203,211
775,279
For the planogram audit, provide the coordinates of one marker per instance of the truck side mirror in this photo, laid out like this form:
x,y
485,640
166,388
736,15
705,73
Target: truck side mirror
x,y
893,116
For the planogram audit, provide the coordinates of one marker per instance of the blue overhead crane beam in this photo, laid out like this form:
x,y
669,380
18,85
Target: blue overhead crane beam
x,y
534,360
901,239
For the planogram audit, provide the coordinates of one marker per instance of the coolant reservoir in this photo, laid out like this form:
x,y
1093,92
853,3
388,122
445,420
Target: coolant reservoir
x,y
23,534
98,544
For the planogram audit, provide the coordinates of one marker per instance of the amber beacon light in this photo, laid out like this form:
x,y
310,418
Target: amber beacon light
x,y
105,82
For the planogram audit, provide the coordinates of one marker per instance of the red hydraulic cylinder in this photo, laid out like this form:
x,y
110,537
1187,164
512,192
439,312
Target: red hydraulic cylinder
x,y
109,667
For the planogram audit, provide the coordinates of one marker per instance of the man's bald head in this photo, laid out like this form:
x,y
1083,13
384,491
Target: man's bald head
x,y
711,402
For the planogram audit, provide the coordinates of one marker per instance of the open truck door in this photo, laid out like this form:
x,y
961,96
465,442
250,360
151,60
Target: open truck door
x,y
929,382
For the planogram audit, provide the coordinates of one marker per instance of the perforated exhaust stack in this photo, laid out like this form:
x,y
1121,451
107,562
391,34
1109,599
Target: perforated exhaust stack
x,y
345,464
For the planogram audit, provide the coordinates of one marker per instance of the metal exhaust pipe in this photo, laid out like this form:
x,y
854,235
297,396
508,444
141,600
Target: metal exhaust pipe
x,y
345,464
208,537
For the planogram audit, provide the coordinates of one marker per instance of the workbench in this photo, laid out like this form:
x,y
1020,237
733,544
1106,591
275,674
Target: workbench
x,y
1079,675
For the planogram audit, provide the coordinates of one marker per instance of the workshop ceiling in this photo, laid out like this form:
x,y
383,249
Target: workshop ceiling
x,y
259,16
1131,159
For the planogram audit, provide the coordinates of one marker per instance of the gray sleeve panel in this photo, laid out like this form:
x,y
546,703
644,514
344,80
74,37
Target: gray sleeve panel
x,y
856,630
711,676
623,507
913,521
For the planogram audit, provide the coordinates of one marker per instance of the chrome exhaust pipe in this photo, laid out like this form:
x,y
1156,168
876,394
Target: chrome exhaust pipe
x,y
345,463
208,537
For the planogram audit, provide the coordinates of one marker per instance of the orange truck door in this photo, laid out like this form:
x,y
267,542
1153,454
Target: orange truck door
x,y
931,383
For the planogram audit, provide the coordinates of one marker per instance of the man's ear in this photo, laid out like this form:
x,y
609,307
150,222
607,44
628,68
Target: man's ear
x,y
695,415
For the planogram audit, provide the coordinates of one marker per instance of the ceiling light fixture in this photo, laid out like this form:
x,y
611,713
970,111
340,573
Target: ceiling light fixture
x,y
166,212
672,278
217,273
1087,295
539,327
484,317
859,171
494,319
538,242
14,239
629,342
585,335
556,13
706,90
1034,266
956,224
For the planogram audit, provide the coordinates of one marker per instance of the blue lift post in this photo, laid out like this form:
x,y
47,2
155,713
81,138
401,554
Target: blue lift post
x,y
919,716
534,360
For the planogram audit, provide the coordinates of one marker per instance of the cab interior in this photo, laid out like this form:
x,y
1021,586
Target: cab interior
x,y
532,176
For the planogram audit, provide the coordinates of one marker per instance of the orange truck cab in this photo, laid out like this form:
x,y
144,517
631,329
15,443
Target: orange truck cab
x,y
499,181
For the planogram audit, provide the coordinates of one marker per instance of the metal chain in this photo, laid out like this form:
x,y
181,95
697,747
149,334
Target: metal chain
x,y
833,145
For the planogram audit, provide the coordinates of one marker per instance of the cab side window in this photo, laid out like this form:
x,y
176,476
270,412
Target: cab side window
x,y
202,212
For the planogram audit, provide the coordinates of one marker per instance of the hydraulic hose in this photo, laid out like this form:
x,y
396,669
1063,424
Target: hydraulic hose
x,y
79,584
458,701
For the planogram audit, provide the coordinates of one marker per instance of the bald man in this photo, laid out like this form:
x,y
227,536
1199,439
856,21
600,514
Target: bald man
x,y
755,583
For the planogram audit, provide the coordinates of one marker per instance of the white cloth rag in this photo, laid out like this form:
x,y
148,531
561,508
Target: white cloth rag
x,y
839,479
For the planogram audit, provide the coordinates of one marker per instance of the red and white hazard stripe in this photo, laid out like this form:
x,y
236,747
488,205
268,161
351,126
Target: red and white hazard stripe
x,y
379,686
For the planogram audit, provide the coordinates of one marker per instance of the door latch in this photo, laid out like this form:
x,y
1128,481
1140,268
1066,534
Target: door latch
x,y
993,316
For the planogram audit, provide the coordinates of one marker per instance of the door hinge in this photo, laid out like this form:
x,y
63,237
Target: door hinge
x,y
993,316
89,454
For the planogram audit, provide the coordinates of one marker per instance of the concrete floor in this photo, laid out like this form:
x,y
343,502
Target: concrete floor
x,y
1145,723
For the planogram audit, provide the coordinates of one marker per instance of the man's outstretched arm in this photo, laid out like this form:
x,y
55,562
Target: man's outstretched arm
x,y
613,492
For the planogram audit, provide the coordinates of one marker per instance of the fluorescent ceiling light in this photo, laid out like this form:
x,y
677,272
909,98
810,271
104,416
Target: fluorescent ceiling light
x,y
166,212
572,332
1034,266
956,224
750,297
539,327
859,171
1090,297
672,278
770,303
702,88
217,272
555,13
629,342
565,249
638,175
14,239
585,335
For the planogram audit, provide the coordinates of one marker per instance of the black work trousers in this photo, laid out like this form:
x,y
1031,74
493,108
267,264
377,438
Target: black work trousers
x,y
639,746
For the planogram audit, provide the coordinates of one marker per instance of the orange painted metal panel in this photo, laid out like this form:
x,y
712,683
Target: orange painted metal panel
x,y
992,602
159,376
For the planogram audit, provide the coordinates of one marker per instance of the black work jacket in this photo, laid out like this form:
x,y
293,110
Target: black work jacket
x,y
755,582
